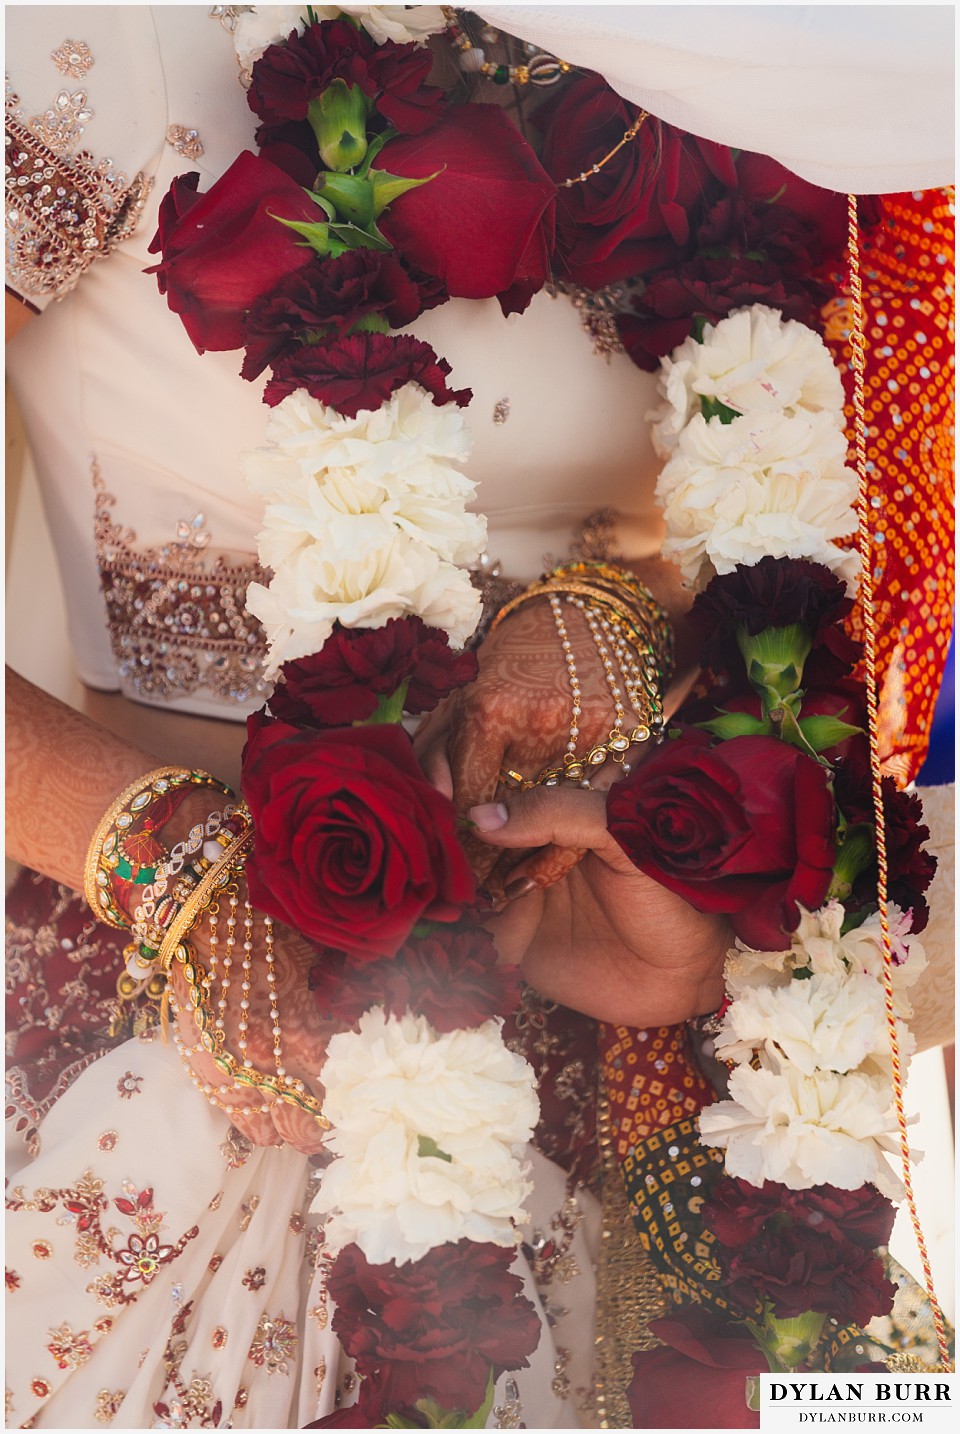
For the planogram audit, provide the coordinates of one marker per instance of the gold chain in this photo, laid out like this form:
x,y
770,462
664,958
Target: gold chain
x,y
858,352
628,135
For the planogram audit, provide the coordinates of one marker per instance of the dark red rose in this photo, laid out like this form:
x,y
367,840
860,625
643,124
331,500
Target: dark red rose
x,y
178,201
451,977
745,828
328,294
764,182
698,1379
288,76
738,1212
433,1328
637,213
354,846
484,225
343,682
226,249
293,148
361,371
776,592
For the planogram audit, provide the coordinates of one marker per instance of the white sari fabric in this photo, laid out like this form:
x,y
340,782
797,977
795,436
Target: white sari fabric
x,y
856,98
164,1273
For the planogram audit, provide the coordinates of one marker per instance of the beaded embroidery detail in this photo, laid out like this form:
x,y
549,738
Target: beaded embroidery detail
x,y
65,208
73,59
176,614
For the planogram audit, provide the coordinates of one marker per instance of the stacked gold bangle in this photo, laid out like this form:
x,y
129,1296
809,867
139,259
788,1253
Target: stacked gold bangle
x,y
622,615
133,803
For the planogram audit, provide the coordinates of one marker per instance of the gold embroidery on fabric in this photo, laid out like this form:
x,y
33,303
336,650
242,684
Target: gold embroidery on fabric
x,y
108,1405
177,615
69,1348
185,141
73,59
65,208
274,1343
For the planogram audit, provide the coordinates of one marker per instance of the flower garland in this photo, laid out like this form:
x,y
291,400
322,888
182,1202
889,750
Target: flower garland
x,y
760,807
360,210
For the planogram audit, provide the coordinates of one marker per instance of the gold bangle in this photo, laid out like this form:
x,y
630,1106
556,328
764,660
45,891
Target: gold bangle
x,y
195,904
140,795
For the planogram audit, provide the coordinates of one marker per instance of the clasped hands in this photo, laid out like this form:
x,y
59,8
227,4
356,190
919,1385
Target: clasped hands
x,y
587,928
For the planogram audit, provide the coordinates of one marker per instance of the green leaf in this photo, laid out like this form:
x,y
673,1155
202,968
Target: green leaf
x,y
784,718
427,1148
713,408
350,196
374,146
736,724
697,327
855,852
824,732
388,187
316,235
350,237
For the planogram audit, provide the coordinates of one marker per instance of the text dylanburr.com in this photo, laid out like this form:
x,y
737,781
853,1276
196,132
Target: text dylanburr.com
x,y
815,1401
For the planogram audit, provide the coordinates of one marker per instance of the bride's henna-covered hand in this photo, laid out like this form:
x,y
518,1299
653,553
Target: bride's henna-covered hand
x,y
303,1039
518,713
608,940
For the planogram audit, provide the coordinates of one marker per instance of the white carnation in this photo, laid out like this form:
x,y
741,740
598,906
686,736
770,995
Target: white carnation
x,y
762,485
396,1086
804,1130
830,1023
365,520
820,946
268,24
753,361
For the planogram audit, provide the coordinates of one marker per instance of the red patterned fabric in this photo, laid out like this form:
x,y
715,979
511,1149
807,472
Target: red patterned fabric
x,y
650,1081
907,266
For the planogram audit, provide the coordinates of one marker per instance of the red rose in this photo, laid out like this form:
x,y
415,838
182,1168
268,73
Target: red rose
x,y
433,1328
360,371
356,666
353,846
745,828
698,1379
330,294
636,213
484,225
451,977
227,248
288,76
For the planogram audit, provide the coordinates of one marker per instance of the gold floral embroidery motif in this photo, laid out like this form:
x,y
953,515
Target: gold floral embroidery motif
x,y
65,209
185,141
108,1404
274,1343
73,59
176,615
69,1348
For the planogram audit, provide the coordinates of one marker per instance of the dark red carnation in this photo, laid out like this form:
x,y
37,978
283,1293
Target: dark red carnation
x,y
698,1378
361,371
433,1328
353,846
765,183
288,76
451,977
738,1213
745,828
344,681
796,1270
911,868
741,254
484,225
636,214
776,592
328,295
227,248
